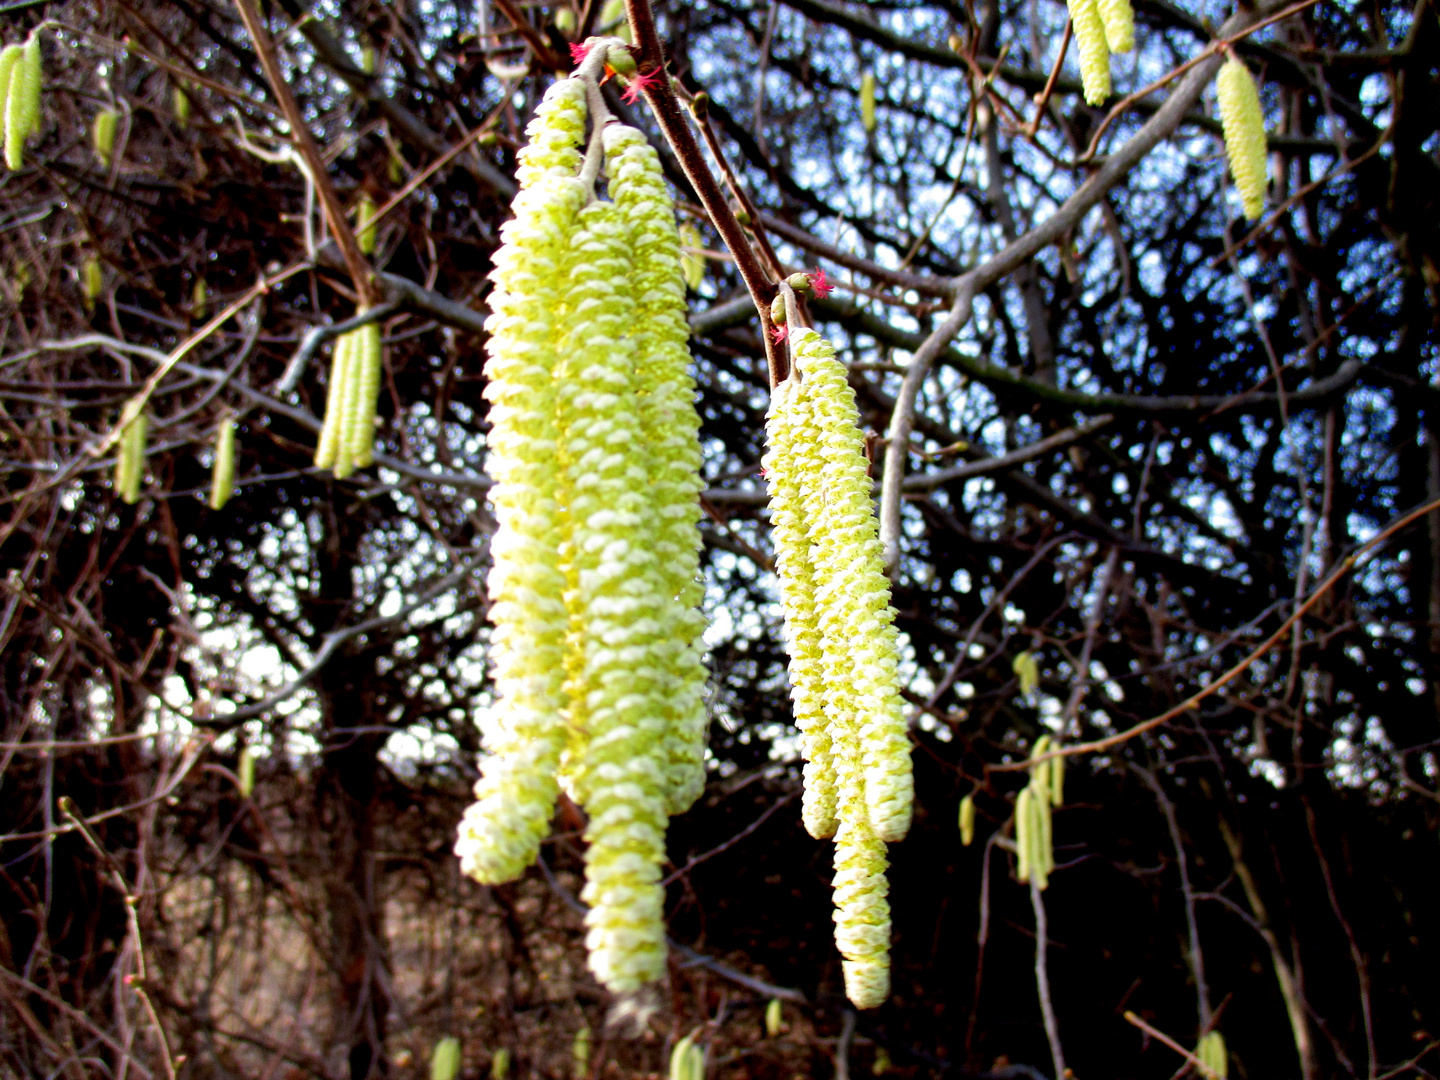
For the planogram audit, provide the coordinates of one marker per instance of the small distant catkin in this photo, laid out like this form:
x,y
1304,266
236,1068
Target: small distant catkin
x,y
1213,1055
92,281
9,57
130,465
967,820
867,100
180,105
1094,50
1118,18
692,266
359,429
327,450
364,225
199,299
222,478
102,136
1024,828
22,101
1244,124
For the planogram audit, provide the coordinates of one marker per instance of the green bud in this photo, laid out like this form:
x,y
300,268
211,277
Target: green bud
x,y
565,20
777,310
619,60
773,1017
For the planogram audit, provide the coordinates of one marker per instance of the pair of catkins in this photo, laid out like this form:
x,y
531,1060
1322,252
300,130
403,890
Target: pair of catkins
x,y
594,589
347,435
1103,27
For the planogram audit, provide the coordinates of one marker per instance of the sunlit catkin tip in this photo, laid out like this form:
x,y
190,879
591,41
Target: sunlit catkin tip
x,y
1094,50
554,134
1244,125
1118,18
862,914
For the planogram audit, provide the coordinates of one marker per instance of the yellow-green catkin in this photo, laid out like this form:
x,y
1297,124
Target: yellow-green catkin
x,y
245,772
445,1059
620,611
369,59
9,57
359,432
199,299
500,1064
1213,1055
346,421
92,281
691,266
852,593
1093,48
774,1017
861,891
515,796
22,99
867,101
222,474
554,134
180,105
364,224
1027,670
687,1060
1118,19
327,450
659,335
788,459
580,1051
102,136
967,820
1024,829
1244,125
130,465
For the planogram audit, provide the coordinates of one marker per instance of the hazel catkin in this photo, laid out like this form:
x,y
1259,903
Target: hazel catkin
x,y
222,476
1094,50
102,136
22,100
1244,125
1118,19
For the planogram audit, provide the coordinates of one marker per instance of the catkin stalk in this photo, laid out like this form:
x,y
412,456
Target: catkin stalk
x,y
1244,125
222,478
1093,48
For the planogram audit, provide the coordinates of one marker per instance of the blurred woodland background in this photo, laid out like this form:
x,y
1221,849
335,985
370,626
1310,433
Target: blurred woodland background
x,y
1146,448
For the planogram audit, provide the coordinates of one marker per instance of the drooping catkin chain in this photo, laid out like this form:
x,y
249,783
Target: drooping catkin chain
x,y
626,621
786,461
515,796
851,590
669,429
1094,50
1243,121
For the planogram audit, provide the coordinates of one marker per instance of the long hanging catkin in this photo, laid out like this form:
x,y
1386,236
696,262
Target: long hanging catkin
x,y
328,448
669,427
861,891
618,698
787,460
515,796
1244,124
851,591
1094,50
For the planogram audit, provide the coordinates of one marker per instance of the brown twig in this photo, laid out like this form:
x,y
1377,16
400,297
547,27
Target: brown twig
x,y
1160,1036
1044,98
538,44
355,260
1346,565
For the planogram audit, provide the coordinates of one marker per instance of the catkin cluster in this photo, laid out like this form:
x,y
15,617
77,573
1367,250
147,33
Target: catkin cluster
x,y
1101,27
594,451
1244,124
20,78
347,439
1034,843
843,648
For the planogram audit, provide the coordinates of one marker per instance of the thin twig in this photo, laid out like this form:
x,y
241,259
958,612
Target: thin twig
x,y
1160,1036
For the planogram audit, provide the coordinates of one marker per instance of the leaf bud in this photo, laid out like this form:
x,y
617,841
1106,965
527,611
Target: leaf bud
x,y
619,60
777,310
565,20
